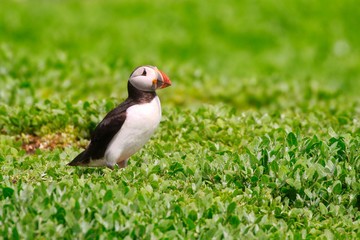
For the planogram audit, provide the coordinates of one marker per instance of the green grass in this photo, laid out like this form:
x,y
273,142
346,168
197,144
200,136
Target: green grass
x,y
260,135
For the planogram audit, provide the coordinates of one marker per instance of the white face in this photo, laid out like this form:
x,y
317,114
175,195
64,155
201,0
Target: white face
x,y
145,78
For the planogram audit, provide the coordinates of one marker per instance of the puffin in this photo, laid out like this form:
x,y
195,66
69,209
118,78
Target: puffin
x,y
126,128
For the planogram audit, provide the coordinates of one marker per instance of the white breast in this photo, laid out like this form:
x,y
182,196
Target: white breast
x,y
141,122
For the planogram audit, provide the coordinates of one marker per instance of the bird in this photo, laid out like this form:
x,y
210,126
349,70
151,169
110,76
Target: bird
x,y
126,128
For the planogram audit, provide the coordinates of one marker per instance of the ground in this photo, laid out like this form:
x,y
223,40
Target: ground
x,y
260,134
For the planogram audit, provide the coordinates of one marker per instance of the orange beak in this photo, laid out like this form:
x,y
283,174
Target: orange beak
x,y
163,81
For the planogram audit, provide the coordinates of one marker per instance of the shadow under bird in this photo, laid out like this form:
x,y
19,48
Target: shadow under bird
x,y
127,128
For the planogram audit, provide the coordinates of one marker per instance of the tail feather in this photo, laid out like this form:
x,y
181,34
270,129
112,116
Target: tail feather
x,y
79,160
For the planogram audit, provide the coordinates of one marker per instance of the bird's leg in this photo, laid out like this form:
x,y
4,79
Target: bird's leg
x,y
122,164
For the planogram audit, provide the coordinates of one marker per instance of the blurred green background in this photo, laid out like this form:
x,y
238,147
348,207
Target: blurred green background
x,y
242,53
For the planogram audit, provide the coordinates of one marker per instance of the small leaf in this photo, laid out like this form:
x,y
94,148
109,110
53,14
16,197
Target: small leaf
x,y
108,195
234,220
308,193
8,192
291,139
86,105
274,166
231,208
323,209
155,169
165,225
193,215
60,214
176,167
265,160
189,223
337,187
15,234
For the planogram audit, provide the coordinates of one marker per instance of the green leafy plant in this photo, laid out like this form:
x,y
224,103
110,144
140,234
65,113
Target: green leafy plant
x,y
260,134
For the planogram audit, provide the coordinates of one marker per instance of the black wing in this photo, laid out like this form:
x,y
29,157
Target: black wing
x,y
103,134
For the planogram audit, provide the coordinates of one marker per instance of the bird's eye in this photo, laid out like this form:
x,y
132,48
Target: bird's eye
x,y
143,73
